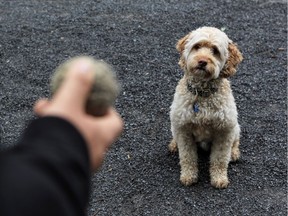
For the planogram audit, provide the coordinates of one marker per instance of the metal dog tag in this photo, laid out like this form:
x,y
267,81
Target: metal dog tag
x,y
195,107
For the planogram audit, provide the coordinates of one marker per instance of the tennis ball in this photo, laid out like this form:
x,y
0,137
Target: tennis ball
x,y
105,87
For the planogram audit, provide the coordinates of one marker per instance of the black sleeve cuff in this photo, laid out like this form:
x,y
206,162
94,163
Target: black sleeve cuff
x,y
49,163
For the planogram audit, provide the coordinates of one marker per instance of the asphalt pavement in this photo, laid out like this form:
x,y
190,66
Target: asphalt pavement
x,y
139,176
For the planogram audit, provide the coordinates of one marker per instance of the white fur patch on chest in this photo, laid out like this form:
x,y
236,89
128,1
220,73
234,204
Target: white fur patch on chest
x,y
206,114
212,115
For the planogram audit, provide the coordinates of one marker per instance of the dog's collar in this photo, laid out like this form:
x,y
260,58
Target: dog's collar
x,y
206,91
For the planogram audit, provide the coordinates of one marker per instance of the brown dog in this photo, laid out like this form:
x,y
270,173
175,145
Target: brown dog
x,y
203,112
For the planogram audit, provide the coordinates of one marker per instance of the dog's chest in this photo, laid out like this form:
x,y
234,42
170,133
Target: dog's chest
x,y
204,118
205,114
200,112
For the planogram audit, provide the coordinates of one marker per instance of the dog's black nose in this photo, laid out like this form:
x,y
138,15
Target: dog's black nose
x,y
202,63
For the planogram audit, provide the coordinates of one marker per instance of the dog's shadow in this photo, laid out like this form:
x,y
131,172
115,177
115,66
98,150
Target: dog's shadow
x,y
203,165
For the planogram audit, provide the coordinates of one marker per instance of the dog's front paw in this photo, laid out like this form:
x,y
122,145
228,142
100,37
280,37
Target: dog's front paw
x,y
188,180
219,175
220,182
173,146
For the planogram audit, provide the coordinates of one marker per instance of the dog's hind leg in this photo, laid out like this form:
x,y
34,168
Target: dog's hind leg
x,y
235,152
173,146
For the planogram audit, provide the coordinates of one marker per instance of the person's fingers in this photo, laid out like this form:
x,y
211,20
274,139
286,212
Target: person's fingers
x,y
40,107
75,88
115,120
118,122
115,124
109,126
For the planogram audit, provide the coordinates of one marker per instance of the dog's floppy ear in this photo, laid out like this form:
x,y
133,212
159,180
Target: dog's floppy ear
x,y
180,46
234,58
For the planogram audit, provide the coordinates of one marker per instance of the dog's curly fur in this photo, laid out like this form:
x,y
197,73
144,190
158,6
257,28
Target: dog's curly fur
x,y
208,57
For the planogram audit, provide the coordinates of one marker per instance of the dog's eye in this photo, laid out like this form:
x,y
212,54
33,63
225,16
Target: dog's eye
x,y
197,46
215,51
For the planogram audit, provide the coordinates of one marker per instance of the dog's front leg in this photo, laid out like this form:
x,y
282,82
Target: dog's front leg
x,y
188,157
219,159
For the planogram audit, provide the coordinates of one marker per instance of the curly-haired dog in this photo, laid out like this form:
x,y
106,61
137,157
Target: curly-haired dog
x,y
203,112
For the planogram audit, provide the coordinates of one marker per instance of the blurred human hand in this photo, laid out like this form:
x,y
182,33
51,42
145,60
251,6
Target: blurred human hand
x,y
69,103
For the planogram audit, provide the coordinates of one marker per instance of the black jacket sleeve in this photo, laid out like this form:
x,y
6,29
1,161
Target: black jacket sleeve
x,y
47,173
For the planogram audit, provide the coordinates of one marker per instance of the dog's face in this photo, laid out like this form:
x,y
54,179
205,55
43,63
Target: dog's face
x,y
208,53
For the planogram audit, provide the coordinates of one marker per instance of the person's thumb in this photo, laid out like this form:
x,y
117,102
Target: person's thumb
x,y
76,86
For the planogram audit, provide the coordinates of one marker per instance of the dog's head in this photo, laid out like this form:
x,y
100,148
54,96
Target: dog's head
x,y
207,53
